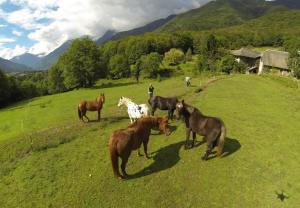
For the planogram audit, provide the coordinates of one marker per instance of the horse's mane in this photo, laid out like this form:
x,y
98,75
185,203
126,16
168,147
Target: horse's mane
x,y
190,109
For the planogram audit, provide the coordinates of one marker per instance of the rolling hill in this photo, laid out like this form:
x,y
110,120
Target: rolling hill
x,y
9,66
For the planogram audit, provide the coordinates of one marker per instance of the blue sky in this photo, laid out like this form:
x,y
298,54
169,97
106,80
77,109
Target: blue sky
x,y
40,26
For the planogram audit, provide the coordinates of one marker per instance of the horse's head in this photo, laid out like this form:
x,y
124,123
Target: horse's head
x,y
101,98
121,101
163,125
179,109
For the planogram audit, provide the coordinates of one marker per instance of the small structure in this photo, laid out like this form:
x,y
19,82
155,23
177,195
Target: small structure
x,y
250,57
277,60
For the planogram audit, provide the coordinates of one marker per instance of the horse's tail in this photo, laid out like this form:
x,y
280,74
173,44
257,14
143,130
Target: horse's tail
x,y
221,140
79,112
114,158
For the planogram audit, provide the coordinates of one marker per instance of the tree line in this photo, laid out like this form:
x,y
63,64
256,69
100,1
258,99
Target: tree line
x,y
135,56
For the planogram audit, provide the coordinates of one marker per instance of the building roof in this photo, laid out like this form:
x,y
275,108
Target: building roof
x,y
246,52
278,59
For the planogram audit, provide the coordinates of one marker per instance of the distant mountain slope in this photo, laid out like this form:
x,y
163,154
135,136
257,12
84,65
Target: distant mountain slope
x,y
150,27
218,14
107,36
295,4
283,22
26,59
47,61
9,66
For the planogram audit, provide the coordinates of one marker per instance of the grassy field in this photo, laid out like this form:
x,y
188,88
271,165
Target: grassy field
x,y
50,159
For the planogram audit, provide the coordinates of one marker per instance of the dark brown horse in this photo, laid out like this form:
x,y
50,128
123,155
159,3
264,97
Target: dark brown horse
x,y
123,141
213,129
91,106
162,103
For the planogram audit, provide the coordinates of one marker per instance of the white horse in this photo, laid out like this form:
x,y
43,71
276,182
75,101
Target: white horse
x,y
135,111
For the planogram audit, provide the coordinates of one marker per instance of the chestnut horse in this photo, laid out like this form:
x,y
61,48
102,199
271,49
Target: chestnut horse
x,y
123,141
91,106
212,128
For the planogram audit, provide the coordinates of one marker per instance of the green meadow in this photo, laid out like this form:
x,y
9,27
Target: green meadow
x,y
48,158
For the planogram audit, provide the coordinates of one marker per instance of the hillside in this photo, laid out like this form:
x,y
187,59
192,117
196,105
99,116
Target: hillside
x,y
49,155
26,59
9,66
220,14
277,22
141,30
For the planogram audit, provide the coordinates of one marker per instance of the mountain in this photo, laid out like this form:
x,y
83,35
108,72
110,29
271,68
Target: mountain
x,y
150,27
220,13
107,36
294,4
26,59
9,66
47,61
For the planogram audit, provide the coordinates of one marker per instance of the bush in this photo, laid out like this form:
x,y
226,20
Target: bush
x,y
174,57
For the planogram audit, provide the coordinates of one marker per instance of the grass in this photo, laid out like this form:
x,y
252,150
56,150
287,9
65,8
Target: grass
x,y
59,162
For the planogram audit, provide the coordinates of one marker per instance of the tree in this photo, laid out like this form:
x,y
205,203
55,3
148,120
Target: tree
x,y
4,89
227,64
174,57
56,80
294,65
80,65
118,67
148,65
189,55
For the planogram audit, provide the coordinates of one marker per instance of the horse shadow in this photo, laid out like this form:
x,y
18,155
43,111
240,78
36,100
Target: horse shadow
x,y
111,85
231,146
108,119
164,158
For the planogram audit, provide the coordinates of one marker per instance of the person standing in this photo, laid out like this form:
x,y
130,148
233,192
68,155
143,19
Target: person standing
x,y
150,91
188,81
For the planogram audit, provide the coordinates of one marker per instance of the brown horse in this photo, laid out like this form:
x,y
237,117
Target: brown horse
x,y
123,141
91,106
213,129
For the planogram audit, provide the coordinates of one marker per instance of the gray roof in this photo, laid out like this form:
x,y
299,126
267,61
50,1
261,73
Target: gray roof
x,y
278,59
246,52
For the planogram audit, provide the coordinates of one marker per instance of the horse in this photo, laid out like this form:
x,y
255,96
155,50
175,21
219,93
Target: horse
x,y
162,103
123,141
134,111
212,128
91,106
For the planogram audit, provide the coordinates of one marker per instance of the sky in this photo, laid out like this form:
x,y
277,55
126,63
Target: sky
x,y
40,26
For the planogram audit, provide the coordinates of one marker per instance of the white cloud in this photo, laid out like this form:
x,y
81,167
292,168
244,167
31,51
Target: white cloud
x,y
1,26
9,53
55,21
6,40
17,33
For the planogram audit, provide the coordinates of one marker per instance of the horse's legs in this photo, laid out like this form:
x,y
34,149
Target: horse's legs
x,y
83,113
172,114
145,144
99,115
208,151
194,138
188,132
210,144
124,162
153,110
